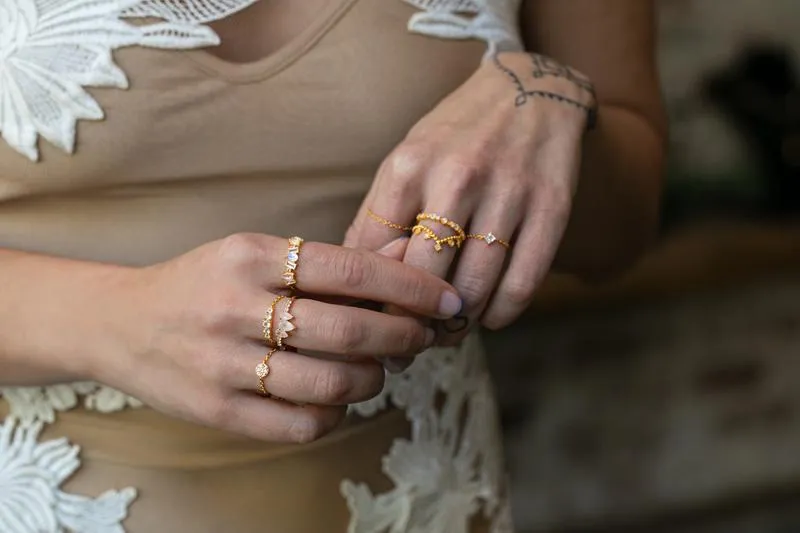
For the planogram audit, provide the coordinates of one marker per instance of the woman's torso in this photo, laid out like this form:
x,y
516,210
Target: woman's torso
x,y
200,147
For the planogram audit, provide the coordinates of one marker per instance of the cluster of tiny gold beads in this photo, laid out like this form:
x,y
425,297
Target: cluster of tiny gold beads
x,y
453,241
439,243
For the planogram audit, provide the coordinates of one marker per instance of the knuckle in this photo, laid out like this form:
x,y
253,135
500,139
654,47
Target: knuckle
x,y
518,293
411,339
352,269
375,382
221,313
472,288
407,161
306,429
333,386
239,249
217,412
345,334
463,172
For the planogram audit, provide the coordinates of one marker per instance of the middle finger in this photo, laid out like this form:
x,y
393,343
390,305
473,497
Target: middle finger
x,y
347,331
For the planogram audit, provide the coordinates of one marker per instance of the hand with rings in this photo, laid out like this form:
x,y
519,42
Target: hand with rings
x,y
201,335
496,161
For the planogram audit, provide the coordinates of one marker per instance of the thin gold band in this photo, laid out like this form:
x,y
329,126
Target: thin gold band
x,y
490,239
388,223
266,324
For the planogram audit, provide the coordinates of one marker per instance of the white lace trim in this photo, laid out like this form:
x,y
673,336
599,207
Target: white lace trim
x,y
451,468
30,498
51,49
493,21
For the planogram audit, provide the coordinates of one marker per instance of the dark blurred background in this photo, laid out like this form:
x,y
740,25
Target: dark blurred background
x,y
669,401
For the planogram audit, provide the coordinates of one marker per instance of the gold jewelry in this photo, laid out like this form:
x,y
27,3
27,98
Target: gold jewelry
x,y
453,241
453,225
388,223
489,239
262,371
266,324
292,258
285,326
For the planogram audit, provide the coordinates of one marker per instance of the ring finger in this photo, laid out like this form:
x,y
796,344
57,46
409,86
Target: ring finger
x,y
481,261
347,331
302,379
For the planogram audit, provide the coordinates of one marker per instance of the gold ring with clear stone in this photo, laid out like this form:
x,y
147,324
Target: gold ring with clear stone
x,y
292,258
489,239
262,371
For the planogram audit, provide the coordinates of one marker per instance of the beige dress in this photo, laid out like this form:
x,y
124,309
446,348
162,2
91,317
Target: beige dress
x,y
197,149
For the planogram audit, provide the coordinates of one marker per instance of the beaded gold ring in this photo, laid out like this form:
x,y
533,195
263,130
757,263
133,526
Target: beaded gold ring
x,y
262,371
292,259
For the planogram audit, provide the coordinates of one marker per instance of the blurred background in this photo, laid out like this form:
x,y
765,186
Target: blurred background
x,y
669,401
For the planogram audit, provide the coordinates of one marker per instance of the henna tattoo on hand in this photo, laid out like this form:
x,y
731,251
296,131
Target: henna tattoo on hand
x,y
543,67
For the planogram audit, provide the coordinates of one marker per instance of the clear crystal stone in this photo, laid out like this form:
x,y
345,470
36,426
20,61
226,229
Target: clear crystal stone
x,y
262,370
490,238
293,256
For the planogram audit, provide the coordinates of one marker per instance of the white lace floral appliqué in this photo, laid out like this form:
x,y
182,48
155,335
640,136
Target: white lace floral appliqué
x,y
493,21
30,476
451,468
51,49
446,473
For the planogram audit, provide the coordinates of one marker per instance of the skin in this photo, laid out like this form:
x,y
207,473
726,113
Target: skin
x,y
184,336
501,155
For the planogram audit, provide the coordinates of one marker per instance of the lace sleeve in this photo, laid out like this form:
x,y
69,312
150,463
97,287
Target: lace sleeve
x,y
493,21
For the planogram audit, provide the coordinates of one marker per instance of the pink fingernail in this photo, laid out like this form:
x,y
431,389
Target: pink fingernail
x,y
450,305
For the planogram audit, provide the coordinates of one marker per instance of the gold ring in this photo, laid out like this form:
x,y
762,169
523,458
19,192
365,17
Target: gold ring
x,y
285,326
453,241
262,371
490,239
388,223
292,258
266,324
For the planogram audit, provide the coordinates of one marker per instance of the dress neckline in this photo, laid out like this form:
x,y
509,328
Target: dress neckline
x,y
275,62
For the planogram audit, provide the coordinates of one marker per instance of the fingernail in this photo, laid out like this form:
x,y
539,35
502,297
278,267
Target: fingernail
x,y
430,337
395,365
389,246
450,305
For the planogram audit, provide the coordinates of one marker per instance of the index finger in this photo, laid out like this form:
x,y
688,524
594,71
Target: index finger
x,y
325,269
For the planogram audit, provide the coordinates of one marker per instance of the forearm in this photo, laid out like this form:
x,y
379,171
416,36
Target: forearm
x,y
52,314
615,210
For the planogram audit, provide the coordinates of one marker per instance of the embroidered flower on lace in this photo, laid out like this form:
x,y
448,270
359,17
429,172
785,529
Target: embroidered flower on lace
x,y
31,474
51,49
493,21
34,404
451,468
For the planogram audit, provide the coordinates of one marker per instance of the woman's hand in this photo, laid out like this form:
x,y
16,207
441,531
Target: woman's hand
x,y
185,336
499,156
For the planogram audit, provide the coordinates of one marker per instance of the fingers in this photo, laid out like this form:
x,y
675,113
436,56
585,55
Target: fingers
x,y
349,331
333,270
480,263
394,200
270,420
531,258
302,379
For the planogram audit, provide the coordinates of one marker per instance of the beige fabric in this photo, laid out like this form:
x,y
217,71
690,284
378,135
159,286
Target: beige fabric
x,y
197,149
